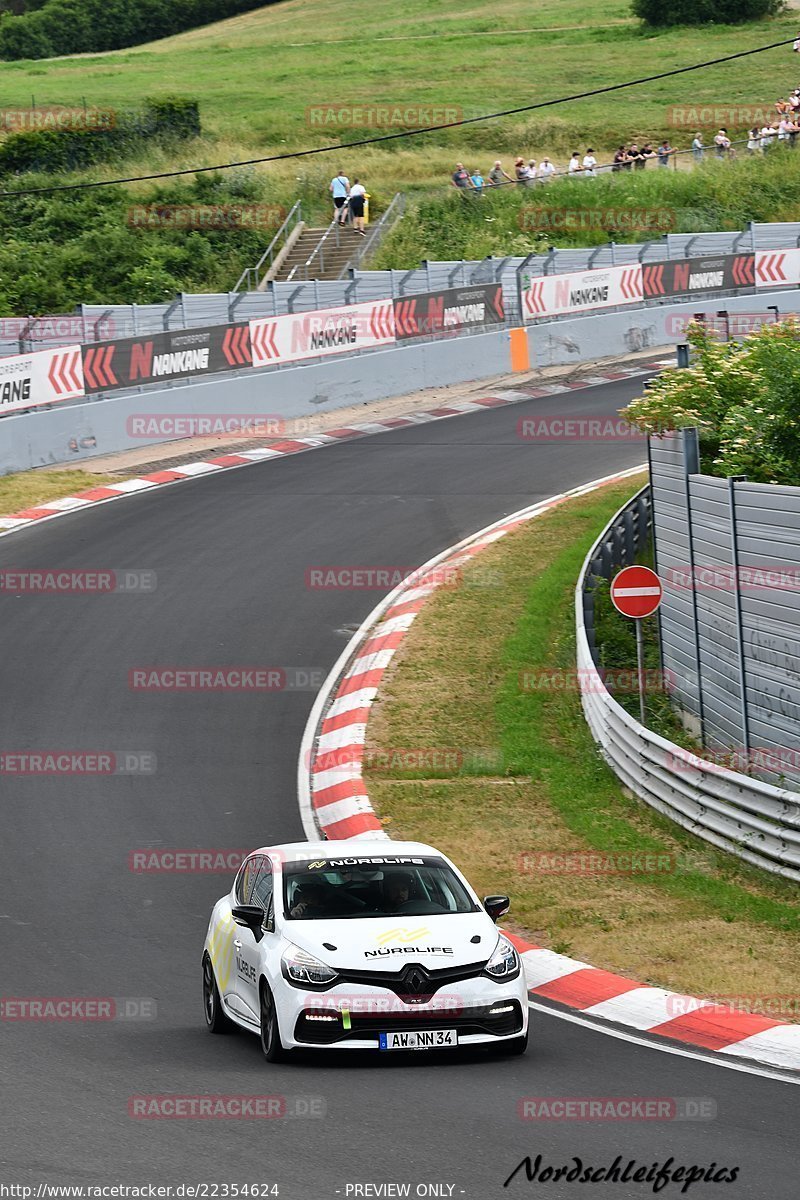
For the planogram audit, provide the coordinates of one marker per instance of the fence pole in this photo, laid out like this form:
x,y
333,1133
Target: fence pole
x,y
732,481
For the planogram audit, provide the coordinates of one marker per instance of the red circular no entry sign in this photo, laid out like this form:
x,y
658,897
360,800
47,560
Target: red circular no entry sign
x,y
636,592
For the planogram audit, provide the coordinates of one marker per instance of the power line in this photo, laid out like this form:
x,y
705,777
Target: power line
x,y
405,133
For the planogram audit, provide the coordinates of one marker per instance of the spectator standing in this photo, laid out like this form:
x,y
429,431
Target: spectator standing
x,y
754,140
698,148
620,160
477,182
460,177
339,187
497,175
648,152
589,164
767,135
636,157
664,153
530,173
575,167
519,170
722,143
546,170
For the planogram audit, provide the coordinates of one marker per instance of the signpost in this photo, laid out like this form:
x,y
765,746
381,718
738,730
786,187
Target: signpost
x,y
636,592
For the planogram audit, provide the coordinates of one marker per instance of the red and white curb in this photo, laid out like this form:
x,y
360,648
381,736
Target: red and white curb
x,y
51,509
334,802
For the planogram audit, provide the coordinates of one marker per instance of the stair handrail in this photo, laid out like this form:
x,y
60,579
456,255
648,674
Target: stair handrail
x,y
332,230
377,232
249,280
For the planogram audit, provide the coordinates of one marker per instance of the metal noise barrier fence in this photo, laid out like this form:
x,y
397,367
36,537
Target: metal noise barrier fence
x,y
756,821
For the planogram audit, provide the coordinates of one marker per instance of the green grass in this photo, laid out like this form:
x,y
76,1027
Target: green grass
x,y
256,74
30,488
711,925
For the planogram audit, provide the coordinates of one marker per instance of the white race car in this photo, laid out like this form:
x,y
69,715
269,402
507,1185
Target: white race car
x,y
362,946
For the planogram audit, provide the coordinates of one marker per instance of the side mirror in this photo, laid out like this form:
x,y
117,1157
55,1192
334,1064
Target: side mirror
x,y
251,916
496,906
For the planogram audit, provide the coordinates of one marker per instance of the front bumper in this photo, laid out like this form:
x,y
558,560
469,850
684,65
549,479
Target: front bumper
x,y
352,1016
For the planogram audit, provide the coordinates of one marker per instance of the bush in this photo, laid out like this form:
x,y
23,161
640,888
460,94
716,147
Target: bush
x,y
81,26
162,119
704,12
743,399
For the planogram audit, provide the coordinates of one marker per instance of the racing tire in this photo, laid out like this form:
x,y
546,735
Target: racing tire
x,y
514,1046
271,1045
217,1020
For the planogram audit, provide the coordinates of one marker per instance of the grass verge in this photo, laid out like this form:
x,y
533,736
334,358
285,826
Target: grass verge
x,y
29,488
518,775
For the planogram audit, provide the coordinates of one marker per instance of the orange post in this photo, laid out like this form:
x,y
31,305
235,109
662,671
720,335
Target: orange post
x,y
520,355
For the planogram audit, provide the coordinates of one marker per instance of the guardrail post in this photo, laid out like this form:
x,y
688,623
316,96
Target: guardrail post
x,y
732,481
691,466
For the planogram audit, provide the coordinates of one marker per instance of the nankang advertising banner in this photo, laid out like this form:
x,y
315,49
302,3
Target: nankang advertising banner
x,y
582,291
175,354
44,377
449,310
683,276
325,331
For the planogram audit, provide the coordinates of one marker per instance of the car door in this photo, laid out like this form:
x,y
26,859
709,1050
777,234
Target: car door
x,y
248,945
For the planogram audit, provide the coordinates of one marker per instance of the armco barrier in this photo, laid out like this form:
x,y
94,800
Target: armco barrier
x,y
755,821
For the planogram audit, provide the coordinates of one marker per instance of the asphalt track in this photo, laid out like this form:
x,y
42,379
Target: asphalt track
x,y
230,553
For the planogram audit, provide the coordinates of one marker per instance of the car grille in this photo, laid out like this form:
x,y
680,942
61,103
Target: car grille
x,y
414,983
475,1020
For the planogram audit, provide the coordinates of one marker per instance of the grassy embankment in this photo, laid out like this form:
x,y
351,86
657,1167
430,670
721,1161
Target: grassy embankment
x,y
526,779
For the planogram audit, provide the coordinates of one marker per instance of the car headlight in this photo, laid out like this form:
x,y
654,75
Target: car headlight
x,y
504,963
304,970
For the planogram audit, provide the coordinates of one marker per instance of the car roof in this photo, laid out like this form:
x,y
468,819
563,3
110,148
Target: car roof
x,y
363,848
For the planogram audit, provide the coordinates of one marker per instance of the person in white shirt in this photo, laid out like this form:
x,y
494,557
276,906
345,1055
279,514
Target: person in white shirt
x,y
722,143
589,164
698,147
530,173
753,140
575,167
356,202
767,134
784,129
546,170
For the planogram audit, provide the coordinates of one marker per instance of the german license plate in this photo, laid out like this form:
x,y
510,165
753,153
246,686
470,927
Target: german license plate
x,y
418,1039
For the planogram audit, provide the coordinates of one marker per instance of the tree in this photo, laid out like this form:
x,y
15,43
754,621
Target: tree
x,y
702,12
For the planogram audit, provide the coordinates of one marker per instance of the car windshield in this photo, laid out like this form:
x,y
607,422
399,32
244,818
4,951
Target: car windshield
x,y
337,889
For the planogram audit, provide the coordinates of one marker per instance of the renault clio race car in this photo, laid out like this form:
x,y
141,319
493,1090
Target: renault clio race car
x,y
361,946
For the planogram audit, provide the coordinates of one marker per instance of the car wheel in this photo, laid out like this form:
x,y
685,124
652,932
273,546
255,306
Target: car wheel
x,y
217,1021
517,1045
271,1043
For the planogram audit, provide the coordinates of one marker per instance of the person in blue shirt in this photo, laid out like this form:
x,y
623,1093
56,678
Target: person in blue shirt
x,y
339,188
477,182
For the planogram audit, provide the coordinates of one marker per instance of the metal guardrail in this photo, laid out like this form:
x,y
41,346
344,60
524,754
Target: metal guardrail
x,y
376,234
252,278
755,821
